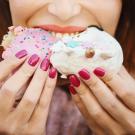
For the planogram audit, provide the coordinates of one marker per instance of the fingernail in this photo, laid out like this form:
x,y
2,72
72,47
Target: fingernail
x,y
52,73
84,74
21,54
99,72
45,64
33,60
72,90
74,80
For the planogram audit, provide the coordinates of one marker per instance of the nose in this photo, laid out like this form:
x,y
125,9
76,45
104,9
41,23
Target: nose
x,y
64,9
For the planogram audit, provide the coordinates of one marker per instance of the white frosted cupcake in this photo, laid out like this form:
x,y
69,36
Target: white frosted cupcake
x,y
89,49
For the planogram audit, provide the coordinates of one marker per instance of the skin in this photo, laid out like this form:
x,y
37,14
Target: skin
x,y
105,113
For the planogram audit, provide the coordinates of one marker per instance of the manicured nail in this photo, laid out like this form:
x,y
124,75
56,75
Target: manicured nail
x,y
72,90
74,80
33,60
99,72
52,73
84,74
45,64
21,54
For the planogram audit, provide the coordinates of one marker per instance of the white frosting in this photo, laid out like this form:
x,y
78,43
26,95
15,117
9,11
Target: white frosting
x,y
69,59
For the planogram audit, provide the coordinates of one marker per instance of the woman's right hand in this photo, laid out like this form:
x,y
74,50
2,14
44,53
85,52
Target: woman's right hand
x,y
30,115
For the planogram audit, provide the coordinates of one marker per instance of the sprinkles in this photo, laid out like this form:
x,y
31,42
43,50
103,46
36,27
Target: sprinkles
x,y
73,44
89,53
33,40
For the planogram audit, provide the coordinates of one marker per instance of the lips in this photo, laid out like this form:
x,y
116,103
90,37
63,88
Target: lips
x,y
59,29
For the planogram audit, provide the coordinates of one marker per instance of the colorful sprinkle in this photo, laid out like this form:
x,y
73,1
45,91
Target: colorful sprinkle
x,y
21,42
73,44
34,41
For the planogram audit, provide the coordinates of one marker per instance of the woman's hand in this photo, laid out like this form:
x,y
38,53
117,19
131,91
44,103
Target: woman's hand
x,y
106,100
30,115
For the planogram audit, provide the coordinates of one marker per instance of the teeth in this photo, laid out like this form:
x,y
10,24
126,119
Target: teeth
x,y
72,34
77,33
66,35
61,35
53,33
58,35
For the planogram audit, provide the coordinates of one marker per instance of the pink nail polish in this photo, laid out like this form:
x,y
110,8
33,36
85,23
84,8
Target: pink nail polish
x,y
99,72
72,90
84,74
21,54
74,80
33,60
52,73
45,64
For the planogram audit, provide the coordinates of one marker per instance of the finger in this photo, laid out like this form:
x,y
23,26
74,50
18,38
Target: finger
x,y
123,73
33,92
41,112
123,85
90,121
17,81
107,100
94,108
11,63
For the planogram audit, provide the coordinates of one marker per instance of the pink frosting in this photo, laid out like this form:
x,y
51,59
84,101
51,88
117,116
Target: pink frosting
x,y
33,40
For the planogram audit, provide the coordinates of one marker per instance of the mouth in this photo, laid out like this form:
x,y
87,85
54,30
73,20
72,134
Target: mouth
x,y
59,31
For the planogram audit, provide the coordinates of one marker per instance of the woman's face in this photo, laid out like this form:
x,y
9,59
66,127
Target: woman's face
x,y
103,13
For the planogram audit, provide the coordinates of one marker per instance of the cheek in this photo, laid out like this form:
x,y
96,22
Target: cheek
x,y
109,16
21,10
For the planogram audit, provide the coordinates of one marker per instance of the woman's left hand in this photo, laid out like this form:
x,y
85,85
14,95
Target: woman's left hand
x,y
106,100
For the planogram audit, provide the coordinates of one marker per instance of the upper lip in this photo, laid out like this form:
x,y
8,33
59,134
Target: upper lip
x,y
59,29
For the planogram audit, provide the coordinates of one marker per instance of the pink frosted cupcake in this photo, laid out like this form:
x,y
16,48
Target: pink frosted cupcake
x,y
34,40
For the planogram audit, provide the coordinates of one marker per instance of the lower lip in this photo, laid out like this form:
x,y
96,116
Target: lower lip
x,y
58,29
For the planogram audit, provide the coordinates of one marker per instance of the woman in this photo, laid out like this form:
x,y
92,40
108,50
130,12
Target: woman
x,y
106,100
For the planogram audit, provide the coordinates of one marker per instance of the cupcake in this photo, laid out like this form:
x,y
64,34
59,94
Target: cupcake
x,y
90,49
33,40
